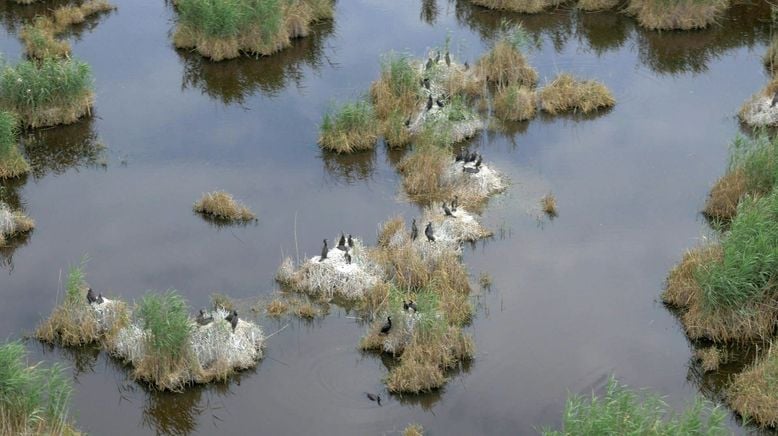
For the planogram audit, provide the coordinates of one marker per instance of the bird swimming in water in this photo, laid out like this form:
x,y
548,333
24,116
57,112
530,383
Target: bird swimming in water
x,y
448,59
429,64
414,230
342,243
374,397
233,319
426,83
90,296
446,210
478,161
387,326
202,319
99,299
429,102
428,232
323,252
350,241
348,258
775,99
440,103
455,203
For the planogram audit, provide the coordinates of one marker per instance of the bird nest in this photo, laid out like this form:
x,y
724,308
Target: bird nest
x,y
759,112
397,339
472,184
334,276
462,226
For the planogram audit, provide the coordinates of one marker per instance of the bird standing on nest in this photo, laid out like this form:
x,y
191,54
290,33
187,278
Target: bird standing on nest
x,y
478,161
467,66
448,59
90,296
387,326
233,319
202,319
426,83
775,99
439,102
446,210
429,102
323,252
414,230
342,243
455,203
99,299
428,232
350,242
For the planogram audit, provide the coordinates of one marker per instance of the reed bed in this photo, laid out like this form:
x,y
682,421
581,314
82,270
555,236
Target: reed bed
x,y
597,5
397,89
47,93
754,392
522,6
506,64
770,58
13,224
12,162
223,29
623,411
514,103
566,93
222,206
349,128
676,14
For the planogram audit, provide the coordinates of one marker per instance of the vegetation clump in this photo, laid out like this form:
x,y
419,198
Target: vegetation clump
x,y
13,223
222,29
349,128
566,93
514,103
12,162
276,308
770,57
505,63
223,206
548,203
397,89
623,411
47,93
710,358
597,5
522,6
413,430
754,392
676,14
759,111
33,399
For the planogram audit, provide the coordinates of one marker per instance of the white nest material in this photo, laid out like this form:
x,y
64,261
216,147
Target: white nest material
x,y
401,334
462,226
466,183
108,313
758,112
9,221
334,276
216,344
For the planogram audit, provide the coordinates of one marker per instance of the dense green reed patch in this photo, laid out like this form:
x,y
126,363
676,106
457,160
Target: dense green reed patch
x,y
676,14
47,93
222,29
622,411
350,127
33,399
397,90
165,317
12,162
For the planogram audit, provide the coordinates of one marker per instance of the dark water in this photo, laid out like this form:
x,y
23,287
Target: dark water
x,y
574,299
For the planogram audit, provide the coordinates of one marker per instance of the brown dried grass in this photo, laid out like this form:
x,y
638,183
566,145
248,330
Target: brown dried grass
x,y
597,5
548,203
710,358
754,392
522,6
413,430
505,65
222,205
421,172
566,93
725,195
276,308
514,103
676,14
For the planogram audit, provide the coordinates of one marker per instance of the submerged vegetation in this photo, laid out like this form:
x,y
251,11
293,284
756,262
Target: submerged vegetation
x,y
621,411
349,128
33,399
47,93
566,93
221,205
12,162
223,29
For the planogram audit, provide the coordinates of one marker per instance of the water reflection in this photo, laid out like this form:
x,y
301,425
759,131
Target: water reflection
x,y
234,80
429,11
13,16
603,31
56,150
349,168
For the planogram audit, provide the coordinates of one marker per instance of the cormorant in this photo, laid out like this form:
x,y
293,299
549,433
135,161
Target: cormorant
x,y
448,59
233,319
455,203
409,305
429,102
446,210
460,156
478,161
99,299
342,243
90,296
202,319
428,232
374,397
387,326
775,99
323,252
348,258
437,58
408,122
467,66
470,170
429,64
440,103
426,83
350,241
414,230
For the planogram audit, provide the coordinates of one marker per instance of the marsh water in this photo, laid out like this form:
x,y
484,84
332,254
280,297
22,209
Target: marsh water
x,y
573,300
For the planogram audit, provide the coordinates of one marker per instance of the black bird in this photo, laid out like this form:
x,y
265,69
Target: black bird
x,y
428,232
470,157
323,252
426,83
99,299
437,58
233,319
429,102
478,161
408,122
348,258
409,305
440,103
467,66
470,170
414,230
460,156
448,59
342,243
387,326
446,210
429,64
90,296
350,242
455,203
374,397
775,99
202,319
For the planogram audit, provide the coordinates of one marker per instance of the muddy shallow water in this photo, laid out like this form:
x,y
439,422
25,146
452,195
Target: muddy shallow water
x,y
573,301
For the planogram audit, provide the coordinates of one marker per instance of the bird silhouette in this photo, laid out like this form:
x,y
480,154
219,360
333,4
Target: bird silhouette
x,y
202,319
455,203
414,230
775,99
408,122
323,252
428,232
440,103
467,66
426,83
387,326
429,102
448,59
374,397
429,64
233,319
478,161
350,242
90,296
342,243
348,258
409,305
99,299
460,156
446,210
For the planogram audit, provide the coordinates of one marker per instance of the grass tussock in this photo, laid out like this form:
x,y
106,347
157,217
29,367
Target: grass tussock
x,y
597,5
349,128
223,206
69,15
710,358
13,223
397,89
390,230
12,162
413,430
394,130
40,37
306,311
47,93
276,308
752,170
548,204
770,58
422,170
521,6
566,93
754,392
505,64
33,399
624,411
224,29
676,14
514,103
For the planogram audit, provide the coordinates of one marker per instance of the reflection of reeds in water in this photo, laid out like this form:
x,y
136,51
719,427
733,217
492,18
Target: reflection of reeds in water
x,y
55,151
429,11
349,168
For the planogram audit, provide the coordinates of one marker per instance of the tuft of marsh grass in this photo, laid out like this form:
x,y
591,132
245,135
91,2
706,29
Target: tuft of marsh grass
x,y
33,399
306,311
398,87
623,411
349,128
395,132
710,358
422,169
48,92
597,5
676,14
505,63
13,223
413,430
12,162
770,58
566,93
514,103
221,205
548,203
754,392
221,301
522,6
276,308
